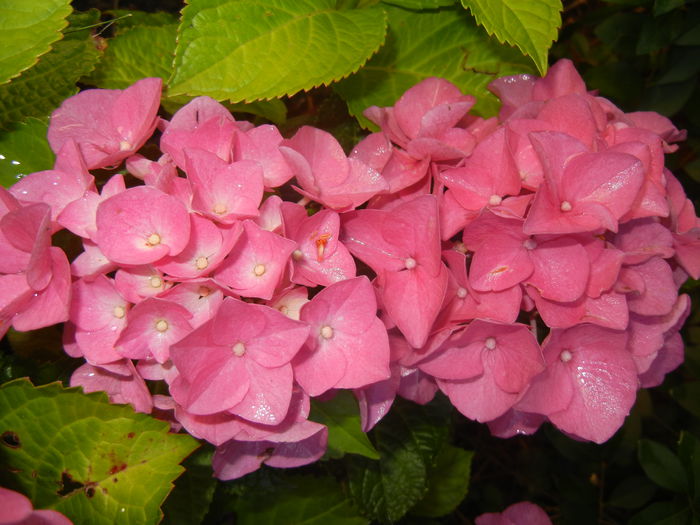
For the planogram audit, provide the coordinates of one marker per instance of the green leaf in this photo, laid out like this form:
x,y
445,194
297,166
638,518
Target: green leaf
x,y
664,6
126,19
689,454
28,30
302,500
662,466
420,4
342,417
445,43
532,26
408,440
144,51
249,50
632,493
24,150
40,90
93,461
663,513
189,501
448,483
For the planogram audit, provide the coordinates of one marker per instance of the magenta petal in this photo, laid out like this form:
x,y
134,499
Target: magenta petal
x,y
16,507
268,396
141,225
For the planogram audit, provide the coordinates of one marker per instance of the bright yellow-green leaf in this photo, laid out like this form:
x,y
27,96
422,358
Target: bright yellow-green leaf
x,y
445,43
249,50
27,30
95,462
531,25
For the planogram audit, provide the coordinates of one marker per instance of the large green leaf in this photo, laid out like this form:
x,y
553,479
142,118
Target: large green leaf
x,y
24,150
342,417
143,51
530,25
448,483
445,43
41,89
190,499
302,500
257,49
408,439
27,30
95,462
662,466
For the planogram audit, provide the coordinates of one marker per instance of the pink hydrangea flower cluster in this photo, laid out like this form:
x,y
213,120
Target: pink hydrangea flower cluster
x,y
527,266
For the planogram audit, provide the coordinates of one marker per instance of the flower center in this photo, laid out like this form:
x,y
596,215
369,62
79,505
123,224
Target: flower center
x,y
565,206
161,325
283,309
297,254
462,292
565,356
203,291
490,343
259,269
530,244
153,239
125,145
155,281
495,200
326,332
238,349
219,208
410,263
119,312
201,263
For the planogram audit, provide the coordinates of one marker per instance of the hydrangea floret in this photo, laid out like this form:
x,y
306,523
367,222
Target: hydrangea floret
x,y
526,265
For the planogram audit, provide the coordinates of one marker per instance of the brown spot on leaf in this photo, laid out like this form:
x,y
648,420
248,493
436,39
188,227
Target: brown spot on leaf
x,y
68,484
89,491
10,439
117,468
130,435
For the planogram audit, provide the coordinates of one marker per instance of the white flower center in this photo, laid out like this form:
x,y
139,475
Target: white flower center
x,y
490,343
565,206
219,208
153,239
297,254
565,356
530,244
410,263
259,269
326,332
161,325
125,145
238,349
495,200
462,292
201,263
119,312
155,281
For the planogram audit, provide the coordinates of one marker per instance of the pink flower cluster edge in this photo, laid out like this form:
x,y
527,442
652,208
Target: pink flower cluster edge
x,y
526,265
